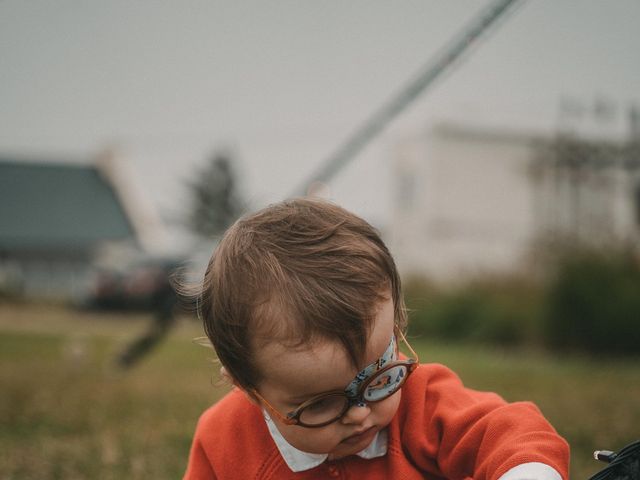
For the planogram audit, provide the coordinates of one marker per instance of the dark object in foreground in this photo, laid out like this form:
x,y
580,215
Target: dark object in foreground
x,y
140,285
623,465
164,317
152,288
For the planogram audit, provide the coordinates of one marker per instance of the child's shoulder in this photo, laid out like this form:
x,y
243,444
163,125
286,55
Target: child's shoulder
x,y
233,405
432,375
434,384
232,437
233,416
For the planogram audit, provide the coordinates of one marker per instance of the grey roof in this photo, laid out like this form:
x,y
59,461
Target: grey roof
x,y
45,206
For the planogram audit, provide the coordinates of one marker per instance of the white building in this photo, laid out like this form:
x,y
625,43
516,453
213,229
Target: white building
x,y
470,201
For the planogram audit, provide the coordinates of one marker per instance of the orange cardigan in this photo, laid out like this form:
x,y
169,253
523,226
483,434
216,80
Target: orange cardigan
x,y
441,430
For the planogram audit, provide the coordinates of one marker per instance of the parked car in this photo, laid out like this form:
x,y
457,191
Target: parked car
x,y
141,285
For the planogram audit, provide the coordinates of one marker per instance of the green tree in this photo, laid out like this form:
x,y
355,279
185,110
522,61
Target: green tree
x,y
216,202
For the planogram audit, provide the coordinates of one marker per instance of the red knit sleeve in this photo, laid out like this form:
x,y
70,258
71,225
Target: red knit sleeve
x,y
457,432
232,441
199,466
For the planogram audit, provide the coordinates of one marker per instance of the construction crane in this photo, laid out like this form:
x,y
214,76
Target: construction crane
x,y
441,62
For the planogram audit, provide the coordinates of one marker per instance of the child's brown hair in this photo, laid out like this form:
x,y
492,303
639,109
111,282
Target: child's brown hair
x,y
295,272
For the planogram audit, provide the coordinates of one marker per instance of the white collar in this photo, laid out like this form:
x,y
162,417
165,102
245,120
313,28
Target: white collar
x,y
298,461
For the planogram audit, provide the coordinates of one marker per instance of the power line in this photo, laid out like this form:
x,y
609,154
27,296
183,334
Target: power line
x,y
443,60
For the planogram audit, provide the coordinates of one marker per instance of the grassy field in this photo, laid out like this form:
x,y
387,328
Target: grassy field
x,y
67,413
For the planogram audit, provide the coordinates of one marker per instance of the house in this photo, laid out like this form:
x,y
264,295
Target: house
x,y
55,218
471,200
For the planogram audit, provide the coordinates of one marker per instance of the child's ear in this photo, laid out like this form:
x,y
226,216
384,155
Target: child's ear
x,y
229,378
224,373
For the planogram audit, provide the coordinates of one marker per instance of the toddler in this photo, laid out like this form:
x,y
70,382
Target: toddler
x,y
303,305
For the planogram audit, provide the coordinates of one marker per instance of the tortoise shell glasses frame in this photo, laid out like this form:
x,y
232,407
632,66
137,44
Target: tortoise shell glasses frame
x,y
376,382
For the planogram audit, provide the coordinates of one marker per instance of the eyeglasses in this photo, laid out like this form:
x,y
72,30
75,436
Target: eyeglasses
x,y
376,382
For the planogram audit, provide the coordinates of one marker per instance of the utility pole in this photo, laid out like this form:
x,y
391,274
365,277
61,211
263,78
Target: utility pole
x,y
442,61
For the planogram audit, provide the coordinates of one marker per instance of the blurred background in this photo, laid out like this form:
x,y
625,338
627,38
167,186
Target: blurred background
x,y
494,144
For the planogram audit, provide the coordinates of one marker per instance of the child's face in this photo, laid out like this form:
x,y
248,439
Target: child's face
x,y
292,376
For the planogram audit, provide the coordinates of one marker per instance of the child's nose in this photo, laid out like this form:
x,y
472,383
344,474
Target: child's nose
x,y
356,414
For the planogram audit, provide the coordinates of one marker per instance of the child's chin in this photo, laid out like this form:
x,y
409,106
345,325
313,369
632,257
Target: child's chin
x,y
344,451
337,456
340,452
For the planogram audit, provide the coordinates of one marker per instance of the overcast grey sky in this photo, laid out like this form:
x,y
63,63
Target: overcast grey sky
x,y
283,83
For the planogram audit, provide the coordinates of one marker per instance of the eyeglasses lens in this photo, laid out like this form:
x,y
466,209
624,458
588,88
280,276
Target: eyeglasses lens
x,y
331,407
385,384
324,409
